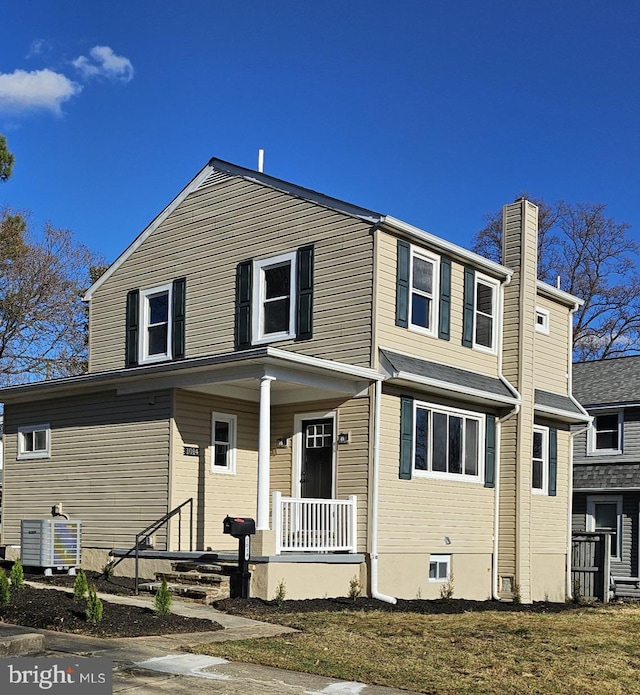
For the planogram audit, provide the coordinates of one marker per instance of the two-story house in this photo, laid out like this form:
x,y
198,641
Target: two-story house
x,y
384,403
606,471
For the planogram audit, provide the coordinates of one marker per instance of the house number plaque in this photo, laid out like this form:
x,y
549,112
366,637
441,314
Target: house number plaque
x,y
192,451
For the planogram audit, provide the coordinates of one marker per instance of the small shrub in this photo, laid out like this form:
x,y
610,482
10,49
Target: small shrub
x,y
281,593
5,593
94,608
163,599
516,596
419,594
107,570
446,590
80,585
17,575
355,588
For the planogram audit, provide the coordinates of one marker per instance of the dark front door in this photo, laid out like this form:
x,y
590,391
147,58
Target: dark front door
x,y
317,458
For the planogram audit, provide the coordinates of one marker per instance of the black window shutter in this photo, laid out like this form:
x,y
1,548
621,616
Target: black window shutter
x,y
406,437
402,284
553,461
178,318
304,314
490,452
444,331
243,305
469,306
132,321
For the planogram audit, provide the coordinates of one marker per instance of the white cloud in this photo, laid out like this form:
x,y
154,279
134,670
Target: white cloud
x,y
105,63
39,89
38,47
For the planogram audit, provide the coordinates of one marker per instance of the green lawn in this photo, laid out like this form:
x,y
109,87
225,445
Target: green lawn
x,y
584,651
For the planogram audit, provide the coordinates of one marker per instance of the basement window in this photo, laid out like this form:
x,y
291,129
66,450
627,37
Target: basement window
x,y
439,568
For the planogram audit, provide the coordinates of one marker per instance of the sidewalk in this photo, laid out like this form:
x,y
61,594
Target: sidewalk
x,y
160,665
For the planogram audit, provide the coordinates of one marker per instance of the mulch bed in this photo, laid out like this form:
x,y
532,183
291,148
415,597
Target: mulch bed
x,y
269,610
51,609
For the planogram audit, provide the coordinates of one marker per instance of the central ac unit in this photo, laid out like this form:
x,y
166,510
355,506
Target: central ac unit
x,y
50,543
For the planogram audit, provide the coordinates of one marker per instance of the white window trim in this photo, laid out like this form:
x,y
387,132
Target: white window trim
x,y
495,285
232,420
442,475
435,291
25,455
544,326
446,559
257,301
591,436
544,490
144,357
592,500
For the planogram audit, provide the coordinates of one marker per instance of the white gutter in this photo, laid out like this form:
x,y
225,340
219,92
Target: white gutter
x,y
496,489
374,497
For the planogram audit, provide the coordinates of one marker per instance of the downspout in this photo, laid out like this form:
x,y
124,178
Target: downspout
x,y
569,583
496,490
374,497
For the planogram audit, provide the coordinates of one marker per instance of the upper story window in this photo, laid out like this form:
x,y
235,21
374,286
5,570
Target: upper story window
x,y
34,442
447,443
223,443
156,324
486,293
605,434
540,461
424,282
274,298
542,320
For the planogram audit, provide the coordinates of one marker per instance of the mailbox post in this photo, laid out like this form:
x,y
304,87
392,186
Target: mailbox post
x,y
241,528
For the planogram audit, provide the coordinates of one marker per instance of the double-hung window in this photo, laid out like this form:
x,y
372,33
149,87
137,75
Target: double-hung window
x,y
274,298
605,435
604,513
156,324
424,290
484,332
223,443
540,461
34,442
447,443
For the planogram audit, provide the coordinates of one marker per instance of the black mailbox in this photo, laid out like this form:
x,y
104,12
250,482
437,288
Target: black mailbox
x,y
241,528
238,526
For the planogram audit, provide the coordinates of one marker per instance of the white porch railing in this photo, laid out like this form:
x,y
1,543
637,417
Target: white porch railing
x,y
315,525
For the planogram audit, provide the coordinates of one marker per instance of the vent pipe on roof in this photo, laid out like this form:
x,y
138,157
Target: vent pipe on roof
x,y
261,161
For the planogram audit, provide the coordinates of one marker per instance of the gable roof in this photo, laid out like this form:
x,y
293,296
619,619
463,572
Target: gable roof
x,y
604,383
217,170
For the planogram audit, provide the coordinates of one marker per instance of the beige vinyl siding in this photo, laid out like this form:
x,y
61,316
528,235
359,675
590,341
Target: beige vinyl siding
x,y
204,239
549,514
416,515
412,342
551,352
109,465
351,462
214,494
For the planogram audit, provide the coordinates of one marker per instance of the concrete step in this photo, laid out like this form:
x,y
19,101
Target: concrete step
x,y
221,568
193,577
203,593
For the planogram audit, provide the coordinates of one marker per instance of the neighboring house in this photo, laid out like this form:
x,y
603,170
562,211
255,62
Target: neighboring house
x,y
385,404
606,471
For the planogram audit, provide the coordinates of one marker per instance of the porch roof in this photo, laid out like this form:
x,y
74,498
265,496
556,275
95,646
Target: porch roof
x,y
559,407
296,378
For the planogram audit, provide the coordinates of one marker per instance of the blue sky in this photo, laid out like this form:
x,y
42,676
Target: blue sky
x,y
434,111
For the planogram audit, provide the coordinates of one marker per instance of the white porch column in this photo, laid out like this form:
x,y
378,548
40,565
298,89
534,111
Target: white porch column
x,y
264,453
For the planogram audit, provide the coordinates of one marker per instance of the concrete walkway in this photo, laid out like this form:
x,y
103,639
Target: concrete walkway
x,y
159,665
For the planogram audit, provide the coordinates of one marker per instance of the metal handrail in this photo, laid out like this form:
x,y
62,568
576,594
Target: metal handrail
x,y
152,528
